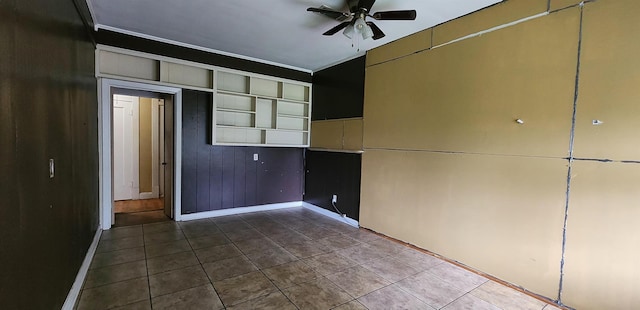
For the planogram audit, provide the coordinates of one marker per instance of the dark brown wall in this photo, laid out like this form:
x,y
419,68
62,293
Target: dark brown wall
x,y
48,109
331,173
222,177
338,91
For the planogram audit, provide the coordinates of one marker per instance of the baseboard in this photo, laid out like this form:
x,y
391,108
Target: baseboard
x,y
233,211
74,293
330,214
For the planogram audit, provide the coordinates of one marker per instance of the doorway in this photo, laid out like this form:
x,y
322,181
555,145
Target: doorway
x,y
138,157
139,166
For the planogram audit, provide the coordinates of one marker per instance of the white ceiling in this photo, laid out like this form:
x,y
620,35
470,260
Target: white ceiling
x,y
273,31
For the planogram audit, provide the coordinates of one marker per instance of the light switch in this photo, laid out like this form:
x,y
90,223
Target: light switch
x,y
52,170
255,157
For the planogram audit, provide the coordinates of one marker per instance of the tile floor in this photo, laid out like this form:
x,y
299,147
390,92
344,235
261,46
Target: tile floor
x,y
284,259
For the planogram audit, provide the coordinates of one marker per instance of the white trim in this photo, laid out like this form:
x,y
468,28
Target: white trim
x,y
196,47
104,136
233,211
74,293
135,150
479,33
93,14
155,157
352,57
330,214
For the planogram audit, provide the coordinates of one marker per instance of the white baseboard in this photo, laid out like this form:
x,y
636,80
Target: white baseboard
x,y
233,211
74,293
330,214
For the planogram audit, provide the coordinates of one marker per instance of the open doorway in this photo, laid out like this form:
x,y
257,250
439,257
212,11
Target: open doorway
x,y
138,157
139,165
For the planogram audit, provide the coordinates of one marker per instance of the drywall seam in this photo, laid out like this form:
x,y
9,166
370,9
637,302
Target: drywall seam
x,y
570,165
476,34
460,153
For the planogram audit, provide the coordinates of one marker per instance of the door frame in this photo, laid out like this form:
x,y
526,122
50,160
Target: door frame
x,y
105,123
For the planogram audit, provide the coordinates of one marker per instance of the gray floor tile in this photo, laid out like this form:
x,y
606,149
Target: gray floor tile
x,y
141,305
361,254
115,273
329,263
470,302
271,258
171,262
260,244
431,289
167,248
457,276
388,247
358,281
117,257
208,240
177,280
160,227
306,248
318,294
417,259
163,237
115,295
119,244
391,269
505,297
273,301
199,297
352,305
289,274
289,238
392,297
338,242
243,288
228,268
216,253
243,234
121,232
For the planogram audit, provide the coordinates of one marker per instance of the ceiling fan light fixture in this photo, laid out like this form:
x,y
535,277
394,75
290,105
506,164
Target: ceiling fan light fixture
x,y
349,31
367,32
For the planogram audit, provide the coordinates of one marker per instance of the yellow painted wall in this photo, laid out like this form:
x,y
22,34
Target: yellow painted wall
x,y
339,134
447,167
145,152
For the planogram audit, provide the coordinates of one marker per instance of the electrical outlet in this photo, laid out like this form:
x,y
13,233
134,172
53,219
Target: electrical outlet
x,y
255,157
334,199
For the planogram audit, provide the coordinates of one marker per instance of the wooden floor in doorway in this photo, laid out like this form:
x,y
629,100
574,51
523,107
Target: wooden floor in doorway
x,y
136,212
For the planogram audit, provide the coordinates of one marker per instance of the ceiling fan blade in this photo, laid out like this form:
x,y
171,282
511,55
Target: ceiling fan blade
x,y
335,29
377,33
332,14
395,15
356,5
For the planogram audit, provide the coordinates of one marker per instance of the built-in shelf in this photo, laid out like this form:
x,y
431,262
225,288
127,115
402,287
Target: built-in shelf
x,y
248,108
268,111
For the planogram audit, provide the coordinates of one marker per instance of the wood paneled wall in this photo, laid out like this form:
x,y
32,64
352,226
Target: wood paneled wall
x,y
222,177
48,110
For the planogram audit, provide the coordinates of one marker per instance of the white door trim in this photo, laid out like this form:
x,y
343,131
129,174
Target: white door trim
x,y
104,143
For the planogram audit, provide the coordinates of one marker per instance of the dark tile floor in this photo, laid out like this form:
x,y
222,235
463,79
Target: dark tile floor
x,y
284,259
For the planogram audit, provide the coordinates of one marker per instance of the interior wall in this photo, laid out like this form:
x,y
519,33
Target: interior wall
x,y
334,160
223,177
48,110
146,152
448,167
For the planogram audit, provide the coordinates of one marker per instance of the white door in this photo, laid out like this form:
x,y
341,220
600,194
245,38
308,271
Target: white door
x,y
125,144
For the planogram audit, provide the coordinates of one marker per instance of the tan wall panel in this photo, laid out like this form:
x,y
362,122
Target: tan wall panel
x,y
603,235
501,215
487,18
353,135
560,4
145,154
405,46
327,134
466,96
609,82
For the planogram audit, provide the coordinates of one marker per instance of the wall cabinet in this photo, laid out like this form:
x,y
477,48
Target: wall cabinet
x,y
258,110
248,108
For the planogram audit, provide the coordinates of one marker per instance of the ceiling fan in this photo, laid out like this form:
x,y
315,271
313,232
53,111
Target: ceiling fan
x,y
355,20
